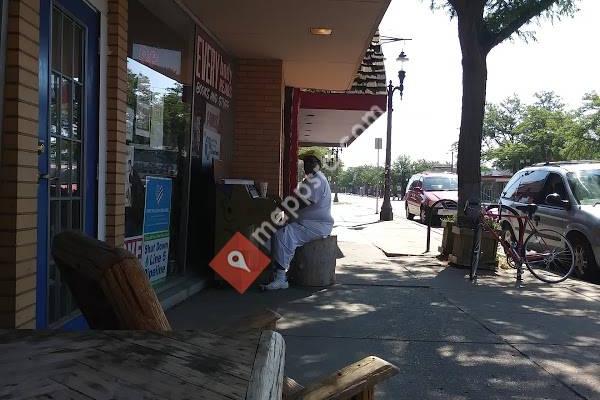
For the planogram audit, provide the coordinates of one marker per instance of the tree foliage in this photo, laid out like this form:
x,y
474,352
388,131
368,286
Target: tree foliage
x,y
369,176
515,134
501,19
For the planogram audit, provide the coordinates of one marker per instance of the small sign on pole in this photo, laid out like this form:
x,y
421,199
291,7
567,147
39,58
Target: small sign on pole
x,y
378,143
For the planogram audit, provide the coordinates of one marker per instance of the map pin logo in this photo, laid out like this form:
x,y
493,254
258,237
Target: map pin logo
x,y
236,259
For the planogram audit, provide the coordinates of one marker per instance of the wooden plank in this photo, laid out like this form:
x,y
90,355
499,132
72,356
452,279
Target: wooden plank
x,y
203,376
129,364
28,346
165,386
40,388
353,380
267,375
244,345
212,354
264,320
99,385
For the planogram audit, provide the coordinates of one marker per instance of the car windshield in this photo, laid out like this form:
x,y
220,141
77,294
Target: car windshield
x,y
585,186
434,183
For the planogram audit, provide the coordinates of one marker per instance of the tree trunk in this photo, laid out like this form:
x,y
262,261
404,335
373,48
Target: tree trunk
x,y
474,63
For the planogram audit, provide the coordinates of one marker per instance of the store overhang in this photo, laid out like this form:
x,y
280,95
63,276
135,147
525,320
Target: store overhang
x,y
336,119
281,29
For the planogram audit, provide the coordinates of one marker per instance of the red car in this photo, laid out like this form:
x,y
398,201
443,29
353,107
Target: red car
x,y
425,189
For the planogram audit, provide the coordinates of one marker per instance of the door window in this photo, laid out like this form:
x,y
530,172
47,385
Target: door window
x,y
554,184
66,140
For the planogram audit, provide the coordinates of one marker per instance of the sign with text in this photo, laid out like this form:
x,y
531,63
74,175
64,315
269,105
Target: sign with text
x,y
214,73
157,215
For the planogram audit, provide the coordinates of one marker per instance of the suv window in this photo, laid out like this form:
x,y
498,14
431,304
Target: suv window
x,y
530,187
554,184
511,186
585,186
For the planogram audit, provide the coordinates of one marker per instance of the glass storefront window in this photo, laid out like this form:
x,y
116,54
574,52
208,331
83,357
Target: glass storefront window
x,y
159,72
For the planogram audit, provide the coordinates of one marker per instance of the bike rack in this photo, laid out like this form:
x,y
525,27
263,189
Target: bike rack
x,y
430,218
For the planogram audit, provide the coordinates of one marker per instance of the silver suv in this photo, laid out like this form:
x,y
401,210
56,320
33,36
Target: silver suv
x,y
568,198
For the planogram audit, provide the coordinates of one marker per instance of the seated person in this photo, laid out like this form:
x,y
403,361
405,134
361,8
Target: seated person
x,y
313,221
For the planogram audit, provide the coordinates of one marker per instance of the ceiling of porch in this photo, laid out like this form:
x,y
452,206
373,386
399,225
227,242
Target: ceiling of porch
x,y
280,29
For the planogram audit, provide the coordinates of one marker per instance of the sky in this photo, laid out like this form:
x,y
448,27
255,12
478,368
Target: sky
x,y
426,122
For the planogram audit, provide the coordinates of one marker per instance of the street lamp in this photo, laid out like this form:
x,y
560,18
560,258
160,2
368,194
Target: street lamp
x,y
386,208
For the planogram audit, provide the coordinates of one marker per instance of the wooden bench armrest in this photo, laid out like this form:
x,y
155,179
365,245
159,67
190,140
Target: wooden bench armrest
x,y
349,381
263,320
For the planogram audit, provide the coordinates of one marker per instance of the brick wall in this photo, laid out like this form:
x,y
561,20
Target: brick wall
x,y
258,134
116,151
18,172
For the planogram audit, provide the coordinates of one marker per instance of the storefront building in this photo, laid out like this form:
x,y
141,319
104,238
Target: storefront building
x,y
119,115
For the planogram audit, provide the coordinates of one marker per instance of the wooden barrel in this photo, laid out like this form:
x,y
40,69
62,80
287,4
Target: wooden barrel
x,y
314,263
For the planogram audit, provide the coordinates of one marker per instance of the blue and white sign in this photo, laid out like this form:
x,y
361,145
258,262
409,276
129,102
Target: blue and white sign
x,y
157,211
157,214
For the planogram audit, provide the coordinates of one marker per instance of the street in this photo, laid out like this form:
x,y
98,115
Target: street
x,y
450,339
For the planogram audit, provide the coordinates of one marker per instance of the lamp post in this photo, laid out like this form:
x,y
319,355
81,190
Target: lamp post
x,y
386,208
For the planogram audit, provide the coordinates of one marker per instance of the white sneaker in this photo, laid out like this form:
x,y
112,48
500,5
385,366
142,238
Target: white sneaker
x,y
276,285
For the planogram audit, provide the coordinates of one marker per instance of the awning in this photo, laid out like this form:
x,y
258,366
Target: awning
x,y
336,119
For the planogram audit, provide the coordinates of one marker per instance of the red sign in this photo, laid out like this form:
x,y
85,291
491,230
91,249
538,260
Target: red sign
x,y
239,262
134,245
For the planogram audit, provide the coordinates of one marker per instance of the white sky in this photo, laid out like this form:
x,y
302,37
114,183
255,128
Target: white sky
x,y
565,59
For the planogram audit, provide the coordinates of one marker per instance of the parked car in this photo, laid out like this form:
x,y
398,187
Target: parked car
x,y
568,198
425,189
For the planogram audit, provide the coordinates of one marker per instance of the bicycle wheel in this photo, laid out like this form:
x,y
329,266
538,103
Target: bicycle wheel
x,y
549,256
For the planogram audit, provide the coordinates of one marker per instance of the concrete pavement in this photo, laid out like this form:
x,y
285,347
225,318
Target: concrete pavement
x,y
449,338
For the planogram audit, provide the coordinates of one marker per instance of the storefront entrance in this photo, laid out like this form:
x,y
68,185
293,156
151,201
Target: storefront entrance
x,y
68,145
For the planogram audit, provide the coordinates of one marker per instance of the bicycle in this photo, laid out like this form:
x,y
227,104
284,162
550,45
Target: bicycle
x,y
547,254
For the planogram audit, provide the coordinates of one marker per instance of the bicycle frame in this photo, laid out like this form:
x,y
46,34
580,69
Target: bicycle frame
x,y
516,254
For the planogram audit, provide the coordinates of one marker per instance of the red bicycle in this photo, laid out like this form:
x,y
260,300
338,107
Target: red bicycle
x,y
547,254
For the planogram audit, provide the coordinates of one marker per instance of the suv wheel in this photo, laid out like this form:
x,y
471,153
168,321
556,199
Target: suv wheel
x,y
408,214
585,262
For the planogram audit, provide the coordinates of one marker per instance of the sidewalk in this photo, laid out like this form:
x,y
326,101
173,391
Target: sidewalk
x,y
450,339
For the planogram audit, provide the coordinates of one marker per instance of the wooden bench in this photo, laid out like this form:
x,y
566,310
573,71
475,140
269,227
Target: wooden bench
x,y
314,263
113,293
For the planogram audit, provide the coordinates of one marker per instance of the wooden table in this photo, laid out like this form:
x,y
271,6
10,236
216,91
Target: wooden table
x,y
140,365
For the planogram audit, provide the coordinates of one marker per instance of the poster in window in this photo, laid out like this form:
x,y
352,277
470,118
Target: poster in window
x,y
157,214
212,138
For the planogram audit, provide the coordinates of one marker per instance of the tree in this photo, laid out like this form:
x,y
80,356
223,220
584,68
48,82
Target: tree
x,y
482,25
583,141
515,134
402,170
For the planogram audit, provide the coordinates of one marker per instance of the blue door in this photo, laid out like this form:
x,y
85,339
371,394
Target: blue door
x,y
68,146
